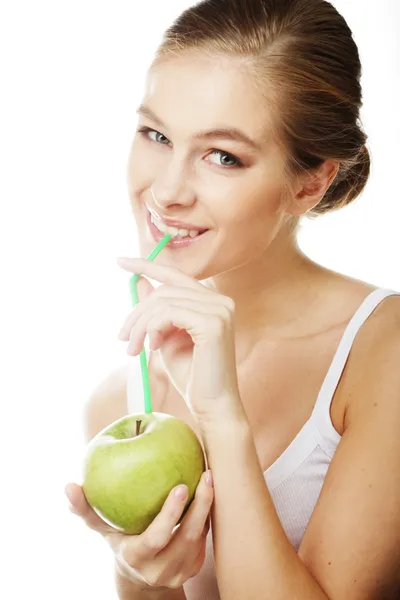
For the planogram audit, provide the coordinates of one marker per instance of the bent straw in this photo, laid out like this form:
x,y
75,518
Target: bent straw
x,y
135,299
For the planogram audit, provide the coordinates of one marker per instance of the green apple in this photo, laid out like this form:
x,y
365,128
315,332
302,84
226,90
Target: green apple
x,y
131,466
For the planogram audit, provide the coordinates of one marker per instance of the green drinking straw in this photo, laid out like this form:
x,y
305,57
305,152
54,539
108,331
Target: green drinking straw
x,y
135,299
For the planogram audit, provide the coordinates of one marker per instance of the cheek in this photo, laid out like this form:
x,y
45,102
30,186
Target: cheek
x,y
140,171
255,203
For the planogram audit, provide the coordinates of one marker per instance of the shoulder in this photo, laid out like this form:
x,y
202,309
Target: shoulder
x,y
361,492
374,372
384,321
108,400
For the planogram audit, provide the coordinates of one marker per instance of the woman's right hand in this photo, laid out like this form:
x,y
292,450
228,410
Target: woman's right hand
x,y
158,557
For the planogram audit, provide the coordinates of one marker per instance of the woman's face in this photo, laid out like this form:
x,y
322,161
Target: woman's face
x,y
181,167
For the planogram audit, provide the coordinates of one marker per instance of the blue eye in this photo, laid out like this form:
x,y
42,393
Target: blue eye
x,y
231,157
145,131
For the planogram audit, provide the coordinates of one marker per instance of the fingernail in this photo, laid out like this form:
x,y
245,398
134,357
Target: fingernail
x,y
209,478
181,492
124,262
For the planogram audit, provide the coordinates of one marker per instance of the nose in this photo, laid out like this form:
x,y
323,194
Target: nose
x,y
172,188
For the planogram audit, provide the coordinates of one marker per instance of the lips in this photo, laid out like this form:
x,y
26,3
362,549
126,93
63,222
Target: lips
x,y
175,243
177,224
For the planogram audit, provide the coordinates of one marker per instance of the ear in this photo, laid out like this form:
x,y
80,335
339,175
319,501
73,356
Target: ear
x,y
312,186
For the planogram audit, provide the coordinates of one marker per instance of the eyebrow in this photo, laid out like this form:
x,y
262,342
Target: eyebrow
x,y
222,133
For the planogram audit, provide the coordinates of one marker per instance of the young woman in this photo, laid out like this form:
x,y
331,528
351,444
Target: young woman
x,y
287,371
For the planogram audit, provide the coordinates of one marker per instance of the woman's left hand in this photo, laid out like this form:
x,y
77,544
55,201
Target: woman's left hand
x,y
192,326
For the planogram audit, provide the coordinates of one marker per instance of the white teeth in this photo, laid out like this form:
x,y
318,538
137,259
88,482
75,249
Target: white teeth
x,y
174,231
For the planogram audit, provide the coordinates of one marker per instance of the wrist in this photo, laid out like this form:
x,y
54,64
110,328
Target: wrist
x,y
128,590
228,418
227,410
125,571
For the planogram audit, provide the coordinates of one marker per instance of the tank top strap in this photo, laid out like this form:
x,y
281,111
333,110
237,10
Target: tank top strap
x,y
321,413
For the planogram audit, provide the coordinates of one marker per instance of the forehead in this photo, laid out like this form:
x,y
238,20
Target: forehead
x,y
194,92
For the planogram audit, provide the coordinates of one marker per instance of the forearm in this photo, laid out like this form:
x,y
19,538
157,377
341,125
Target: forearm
x,y
253,556
127,590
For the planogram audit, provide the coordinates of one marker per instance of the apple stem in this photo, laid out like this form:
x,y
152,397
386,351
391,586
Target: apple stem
x,y
138,427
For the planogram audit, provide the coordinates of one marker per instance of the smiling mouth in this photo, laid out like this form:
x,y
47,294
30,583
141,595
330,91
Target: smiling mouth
x,y
175,232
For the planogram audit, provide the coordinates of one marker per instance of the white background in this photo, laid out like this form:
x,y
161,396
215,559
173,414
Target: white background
x,y
71,77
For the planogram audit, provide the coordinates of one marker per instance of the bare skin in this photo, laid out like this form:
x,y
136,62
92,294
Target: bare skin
x,y
290,312
279,384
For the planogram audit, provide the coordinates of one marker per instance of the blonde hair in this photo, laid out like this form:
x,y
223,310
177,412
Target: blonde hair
x,y
305,59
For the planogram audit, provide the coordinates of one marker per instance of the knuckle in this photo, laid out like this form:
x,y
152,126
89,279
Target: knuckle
x,y
229,303
167,289
172,513
162,291
190,536
173,516
194,531
158,577
227,315
218,326
195,572
175,584
152,543
197,567
161,538
180,577
153,328
156,293
174,509
150,577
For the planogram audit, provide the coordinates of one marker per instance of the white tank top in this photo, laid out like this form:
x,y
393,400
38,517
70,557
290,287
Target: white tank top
x,y
295,479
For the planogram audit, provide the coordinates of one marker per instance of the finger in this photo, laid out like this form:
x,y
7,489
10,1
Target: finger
x,y
158,323
206,527
193,557
159,532
196,522
167,291
79,506
183,314
200,559
199,298
161,273
148,327
144,288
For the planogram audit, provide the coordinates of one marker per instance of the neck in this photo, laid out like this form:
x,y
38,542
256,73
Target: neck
x,y
272,293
